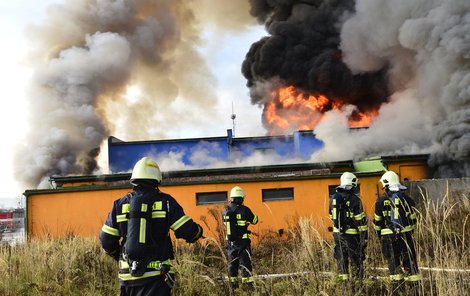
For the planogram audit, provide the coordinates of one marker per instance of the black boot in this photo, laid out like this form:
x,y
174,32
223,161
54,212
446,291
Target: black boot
x,y
397,288
233,285
249,287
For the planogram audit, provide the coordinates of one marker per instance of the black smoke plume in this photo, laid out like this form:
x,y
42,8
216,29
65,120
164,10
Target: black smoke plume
x,y
409,60
302,50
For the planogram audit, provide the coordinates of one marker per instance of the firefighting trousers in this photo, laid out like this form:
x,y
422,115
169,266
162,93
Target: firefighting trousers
x,y
348,250
153,288
239,257
400,251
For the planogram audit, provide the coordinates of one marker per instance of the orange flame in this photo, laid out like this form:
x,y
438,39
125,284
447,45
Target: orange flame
x,y
361,119
291,109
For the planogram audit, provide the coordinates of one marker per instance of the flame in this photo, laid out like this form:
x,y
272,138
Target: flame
x,y
362,119
290,109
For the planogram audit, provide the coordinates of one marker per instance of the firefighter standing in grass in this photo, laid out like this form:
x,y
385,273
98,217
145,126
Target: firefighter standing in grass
x,y
237,217
136,233
349,228
395,220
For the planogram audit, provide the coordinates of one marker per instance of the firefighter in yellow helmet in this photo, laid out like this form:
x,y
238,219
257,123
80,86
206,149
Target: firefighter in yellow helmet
x,y
136,233
349,228
394,222
237,217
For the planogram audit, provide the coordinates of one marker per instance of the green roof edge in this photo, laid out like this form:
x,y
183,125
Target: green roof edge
x,y
369,165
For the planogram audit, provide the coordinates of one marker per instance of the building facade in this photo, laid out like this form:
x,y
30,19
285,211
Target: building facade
x,y
278,194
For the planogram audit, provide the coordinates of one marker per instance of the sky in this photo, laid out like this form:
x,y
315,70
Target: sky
x,y
14,16
225,54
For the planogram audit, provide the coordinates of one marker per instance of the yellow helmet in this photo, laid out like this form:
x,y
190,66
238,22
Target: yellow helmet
x,y
391,181
237,191
146,168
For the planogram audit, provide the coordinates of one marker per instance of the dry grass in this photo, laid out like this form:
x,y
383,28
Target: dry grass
x,y
77,266
70,266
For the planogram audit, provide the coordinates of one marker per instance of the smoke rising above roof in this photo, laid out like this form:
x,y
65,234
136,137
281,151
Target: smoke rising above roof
x,y
408,59
303,50
88,53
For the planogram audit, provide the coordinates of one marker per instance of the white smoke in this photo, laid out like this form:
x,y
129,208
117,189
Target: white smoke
x,y
426,47
88,53
67,125
384,135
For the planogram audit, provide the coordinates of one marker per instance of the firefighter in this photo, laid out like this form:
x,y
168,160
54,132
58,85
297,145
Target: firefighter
x,y
237,217
394,222
144,228
349,228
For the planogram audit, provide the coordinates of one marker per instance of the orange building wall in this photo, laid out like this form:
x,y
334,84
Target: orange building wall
x,y
62,213
83,212
410,170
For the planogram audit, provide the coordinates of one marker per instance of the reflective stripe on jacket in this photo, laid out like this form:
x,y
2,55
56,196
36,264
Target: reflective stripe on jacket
x,y
382,215
166,214
244,217
356,219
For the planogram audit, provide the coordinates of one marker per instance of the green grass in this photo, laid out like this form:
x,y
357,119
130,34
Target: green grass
x,y
78,266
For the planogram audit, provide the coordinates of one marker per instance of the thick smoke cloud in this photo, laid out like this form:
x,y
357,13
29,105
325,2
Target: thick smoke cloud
x,y
427,47
302,50
410,59
88,53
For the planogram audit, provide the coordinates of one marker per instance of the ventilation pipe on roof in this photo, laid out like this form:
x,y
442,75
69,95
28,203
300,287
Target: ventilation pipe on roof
x,y
229,137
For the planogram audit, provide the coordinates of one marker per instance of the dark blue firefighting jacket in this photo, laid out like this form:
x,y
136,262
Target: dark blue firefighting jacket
x,y
355,219
166,214
382,216
244,217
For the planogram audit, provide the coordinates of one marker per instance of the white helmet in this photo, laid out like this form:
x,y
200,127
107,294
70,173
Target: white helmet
x,y
348,181
237,191
391,181
146,168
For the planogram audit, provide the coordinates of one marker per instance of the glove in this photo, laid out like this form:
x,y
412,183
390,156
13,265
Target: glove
x,y
199,234
113,254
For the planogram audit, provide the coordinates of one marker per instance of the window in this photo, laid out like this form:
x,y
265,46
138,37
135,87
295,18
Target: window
x,y
205,198
278,194
332,189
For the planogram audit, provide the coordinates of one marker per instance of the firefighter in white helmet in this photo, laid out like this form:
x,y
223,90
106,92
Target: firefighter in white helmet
x,y
349,228
136,233
394,221
237,217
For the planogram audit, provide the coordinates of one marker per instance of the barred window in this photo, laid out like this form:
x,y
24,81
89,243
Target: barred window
x,y
206,198
278,194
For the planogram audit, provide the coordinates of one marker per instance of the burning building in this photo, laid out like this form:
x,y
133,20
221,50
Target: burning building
x,y
399,68
279,193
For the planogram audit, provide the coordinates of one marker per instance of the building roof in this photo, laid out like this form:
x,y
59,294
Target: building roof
x,y
370,166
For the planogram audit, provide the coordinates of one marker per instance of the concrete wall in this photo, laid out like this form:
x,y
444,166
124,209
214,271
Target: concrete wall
x,y
437,189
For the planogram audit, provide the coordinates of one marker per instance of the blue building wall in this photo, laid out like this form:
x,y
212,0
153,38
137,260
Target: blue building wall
x,y
123,155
